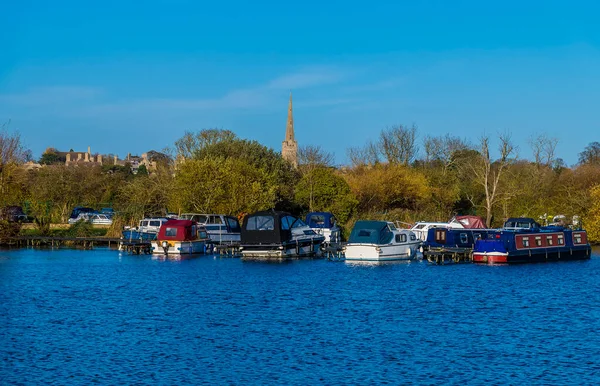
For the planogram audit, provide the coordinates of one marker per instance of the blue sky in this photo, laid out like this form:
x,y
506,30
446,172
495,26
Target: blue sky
x,y
123,77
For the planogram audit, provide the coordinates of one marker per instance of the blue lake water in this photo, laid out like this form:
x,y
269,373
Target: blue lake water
x,y
80,317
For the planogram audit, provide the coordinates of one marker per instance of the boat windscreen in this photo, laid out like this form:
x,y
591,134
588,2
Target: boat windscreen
x,y
261,223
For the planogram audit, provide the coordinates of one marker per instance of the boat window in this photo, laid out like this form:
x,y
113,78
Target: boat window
x,y
538,241
525,241
171,232
297,223
286,222
365,233
401,238
391,226
561,240
318,220
233,224
413,237
549,240
577,238
440,235
143,223
464,238
261,223
155,223
214,220
420,226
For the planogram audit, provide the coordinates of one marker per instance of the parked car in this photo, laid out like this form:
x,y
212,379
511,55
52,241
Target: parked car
x,y
77,211
14,213
84,216
108,211
100,219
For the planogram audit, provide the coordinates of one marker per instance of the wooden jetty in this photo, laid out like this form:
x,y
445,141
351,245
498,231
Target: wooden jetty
x,y
448,255
227,249
85,242
334,252
136,247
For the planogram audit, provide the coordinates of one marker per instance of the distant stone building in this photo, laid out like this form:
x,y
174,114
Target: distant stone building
x,y
289,147
149,159
78,157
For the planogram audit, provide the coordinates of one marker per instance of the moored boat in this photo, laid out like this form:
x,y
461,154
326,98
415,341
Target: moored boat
x,y
522,240
146,231
277,234
324,223
222,229
380,241
179,237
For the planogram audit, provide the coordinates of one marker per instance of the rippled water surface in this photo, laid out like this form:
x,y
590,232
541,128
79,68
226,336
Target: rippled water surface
x,y
80,317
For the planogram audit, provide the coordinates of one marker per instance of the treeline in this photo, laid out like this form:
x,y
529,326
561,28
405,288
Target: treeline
x,y
397,176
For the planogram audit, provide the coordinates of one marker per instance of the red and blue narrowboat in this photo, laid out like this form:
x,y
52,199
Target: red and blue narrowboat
x,y
523,240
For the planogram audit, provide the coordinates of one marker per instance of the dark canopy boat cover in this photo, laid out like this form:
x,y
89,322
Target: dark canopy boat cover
x,y
267,227
370,232
320,220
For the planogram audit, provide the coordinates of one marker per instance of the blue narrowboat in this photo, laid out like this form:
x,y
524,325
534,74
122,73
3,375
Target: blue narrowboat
x,y
522,240
454,238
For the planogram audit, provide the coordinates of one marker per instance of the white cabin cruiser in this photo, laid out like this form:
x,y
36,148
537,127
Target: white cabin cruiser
x,y
222,229
380,241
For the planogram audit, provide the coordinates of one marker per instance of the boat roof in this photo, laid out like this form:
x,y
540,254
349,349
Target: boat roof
x,y
469,222
521,223
370,232
173,223
320,219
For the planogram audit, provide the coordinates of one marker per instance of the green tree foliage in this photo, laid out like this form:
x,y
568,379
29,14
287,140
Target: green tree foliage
x,y
386,187
12,154
322,189
51,157
54,190
263,165
144,195
222,185
592,220
142,171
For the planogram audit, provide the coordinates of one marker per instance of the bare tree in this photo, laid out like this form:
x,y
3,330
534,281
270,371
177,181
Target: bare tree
x,y
192,143
12,153
443,149
398,144
591,154
487,172
544,150
311,155
367,155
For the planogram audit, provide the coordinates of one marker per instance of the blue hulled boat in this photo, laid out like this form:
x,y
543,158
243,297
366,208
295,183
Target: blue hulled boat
x,y
522,240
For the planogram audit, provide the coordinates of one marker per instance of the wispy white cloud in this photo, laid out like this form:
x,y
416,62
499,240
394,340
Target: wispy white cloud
x,y
385,84
91,101
310,77
54,95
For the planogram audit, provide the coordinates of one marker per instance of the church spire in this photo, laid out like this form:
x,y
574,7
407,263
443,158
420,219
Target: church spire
x,y
289,147
289,130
